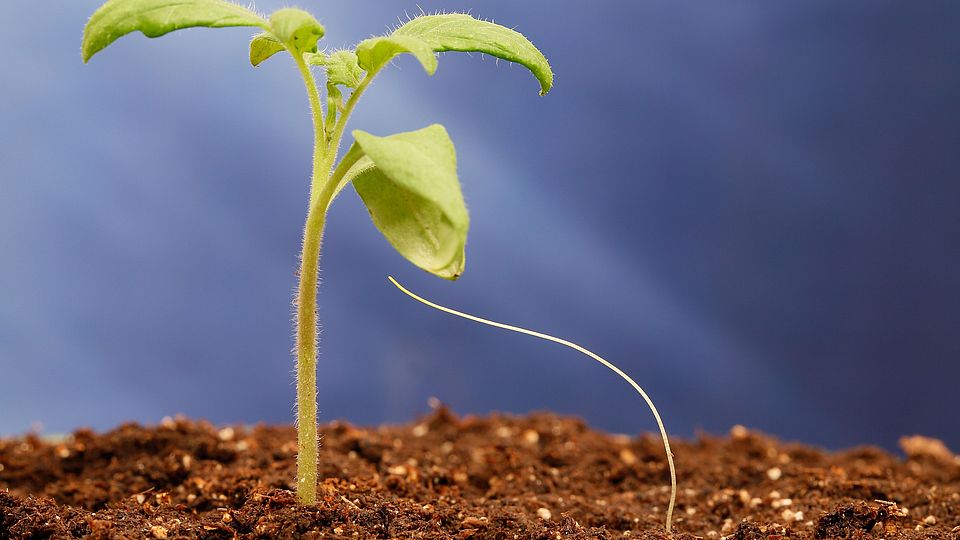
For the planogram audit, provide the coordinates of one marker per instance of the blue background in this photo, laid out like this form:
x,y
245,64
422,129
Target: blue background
x,y
751,207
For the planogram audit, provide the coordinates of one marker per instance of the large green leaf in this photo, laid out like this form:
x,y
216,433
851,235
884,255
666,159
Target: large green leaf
x,y
374,53
117,18
461,32
408,182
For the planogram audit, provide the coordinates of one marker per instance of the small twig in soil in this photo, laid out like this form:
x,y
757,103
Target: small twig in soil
x,y
598,358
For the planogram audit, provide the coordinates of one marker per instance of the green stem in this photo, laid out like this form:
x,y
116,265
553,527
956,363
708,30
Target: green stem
x,y
341,124
323,187
307,441
306,341
319,132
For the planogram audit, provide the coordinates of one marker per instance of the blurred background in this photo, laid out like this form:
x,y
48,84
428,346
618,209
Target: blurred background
x,y
751,207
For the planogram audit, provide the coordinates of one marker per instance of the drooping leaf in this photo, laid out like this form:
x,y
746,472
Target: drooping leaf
x,y
296,29
461,32
374,53
408,182
154,18
263,46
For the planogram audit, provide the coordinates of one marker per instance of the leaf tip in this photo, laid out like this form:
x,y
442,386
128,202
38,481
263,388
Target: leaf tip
x,y
546,79
454,269
86,47
450,275
361,136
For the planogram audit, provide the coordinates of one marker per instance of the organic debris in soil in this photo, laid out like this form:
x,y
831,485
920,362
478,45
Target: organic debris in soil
x,y
501,477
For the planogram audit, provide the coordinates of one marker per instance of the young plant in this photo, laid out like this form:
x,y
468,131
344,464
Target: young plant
x,y
408,181
578,348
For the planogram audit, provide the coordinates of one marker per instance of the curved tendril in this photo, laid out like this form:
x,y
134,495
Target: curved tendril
x,y
615,369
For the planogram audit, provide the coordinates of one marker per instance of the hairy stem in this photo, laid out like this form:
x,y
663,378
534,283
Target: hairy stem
x,y
319,132
307,442
323,187
341,124
306,305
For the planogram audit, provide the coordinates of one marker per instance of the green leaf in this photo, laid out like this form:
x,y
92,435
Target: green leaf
x,y
341,67
461,32
374,53
117,18
296,29
315,58
263,46
408,182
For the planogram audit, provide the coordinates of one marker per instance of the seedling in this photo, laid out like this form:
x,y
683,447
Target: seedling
x,y
578,348
408,181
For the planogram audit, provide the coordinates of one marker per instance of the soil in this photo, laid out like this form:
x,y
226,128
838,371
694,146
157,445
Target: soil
x,y
497,477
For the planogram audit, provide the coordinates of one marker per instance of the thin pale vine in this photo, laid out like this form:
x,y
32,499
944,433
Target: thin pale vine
x,y
408,181
574,346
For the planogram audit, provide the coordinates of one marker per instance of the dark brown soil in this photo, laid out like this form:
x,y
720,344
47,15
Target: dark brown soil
x,y
540,477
